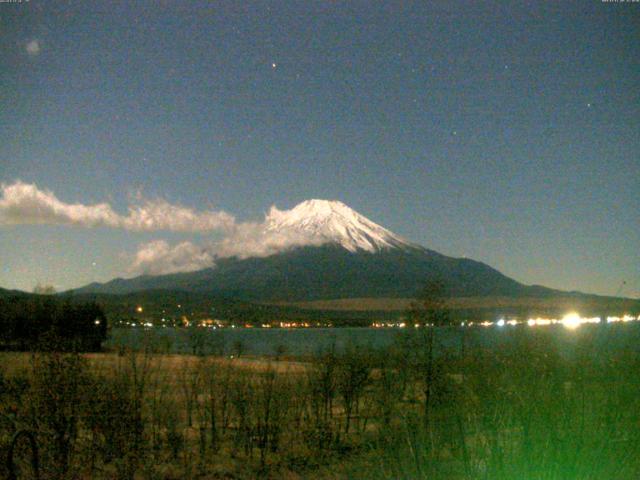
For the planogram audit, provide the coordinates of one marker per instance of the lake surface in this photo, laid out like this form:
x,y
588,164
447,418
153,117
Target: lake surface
x,y
306,341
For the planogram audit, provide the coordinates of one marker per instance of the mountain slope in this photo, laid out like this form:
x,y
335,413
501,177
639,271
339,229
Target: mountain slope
x,y
327,272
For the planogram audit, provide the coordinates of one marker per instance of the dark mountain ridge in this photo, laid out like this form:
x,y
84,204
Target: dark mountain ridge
x,y
331,272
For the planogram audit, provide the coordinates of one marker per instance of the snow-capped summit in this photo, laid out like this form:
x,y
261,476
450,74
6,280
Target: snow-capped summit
x,y
333,222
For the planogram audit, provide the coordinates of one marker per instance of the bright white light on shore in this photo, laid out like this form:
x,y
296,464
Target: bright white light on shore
x,y
571,320
500,322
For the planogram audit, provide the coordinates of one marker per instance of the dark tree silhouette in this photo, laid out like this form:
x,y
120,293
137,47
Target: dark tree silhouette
x,y
34,322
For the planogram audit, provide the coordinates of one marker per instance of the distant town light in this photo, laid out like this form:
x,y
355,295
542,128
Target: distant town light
x,y
571,321
139,309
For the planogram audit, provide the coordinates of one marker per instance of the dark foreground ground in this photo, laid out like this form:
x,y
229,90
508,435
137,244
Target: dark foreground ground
x,y
515,411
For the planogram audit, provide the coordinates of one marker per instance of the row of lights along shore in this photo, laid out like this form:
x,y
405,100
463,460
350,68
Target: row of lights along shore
x,y
571,321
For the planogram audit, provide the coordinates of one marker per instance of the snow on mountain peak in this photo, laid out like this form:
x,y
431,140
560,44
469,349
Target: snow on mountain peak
x,y
333,222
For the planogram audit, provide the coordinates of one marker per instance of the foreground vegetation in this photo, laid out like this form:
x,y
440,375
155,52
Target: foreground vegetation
x,y
520,412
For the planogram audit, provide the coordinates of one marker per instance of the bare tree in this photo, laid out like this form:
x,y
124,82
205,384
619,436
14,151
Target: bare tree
x,y
428,311
354,369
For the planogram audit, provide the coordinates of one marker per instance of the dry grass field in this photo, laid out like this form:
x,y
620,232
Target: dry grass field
x,y
522,411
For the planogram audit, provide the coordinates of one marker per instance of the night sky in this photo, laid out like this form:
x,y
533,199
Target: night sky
x,y
507,132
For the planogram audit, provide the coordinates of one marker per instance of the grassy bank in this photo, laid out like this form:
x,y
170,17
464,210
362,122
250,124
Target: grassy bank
x,y
519,412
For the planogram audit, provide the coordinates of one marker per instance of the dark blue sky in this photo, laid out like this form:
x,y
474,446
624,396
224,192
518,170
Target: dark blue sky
x,y
508,132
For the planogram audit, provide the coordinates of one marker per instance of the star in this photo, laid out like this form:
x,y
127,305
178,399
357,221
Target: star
x,y
589,105
33,47
274,65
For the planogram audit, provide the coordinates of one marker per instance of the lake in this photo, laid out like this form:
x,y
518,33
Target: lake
x,y
306,341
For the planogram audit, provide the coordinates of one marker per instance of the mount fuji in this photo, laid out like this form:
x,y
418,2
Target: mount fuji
x,y
337,253
332,253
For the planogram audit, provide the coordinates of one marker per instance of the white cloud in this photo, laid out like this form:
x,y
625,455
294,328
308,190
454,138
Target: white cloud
x,y
161,215
33,47
157,257
23,203
256,240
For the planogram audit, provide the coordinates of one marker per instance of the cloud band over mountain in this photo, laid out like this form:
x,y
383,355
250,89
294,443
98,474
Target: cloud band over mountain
x,y
247,240
158,258
24,203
